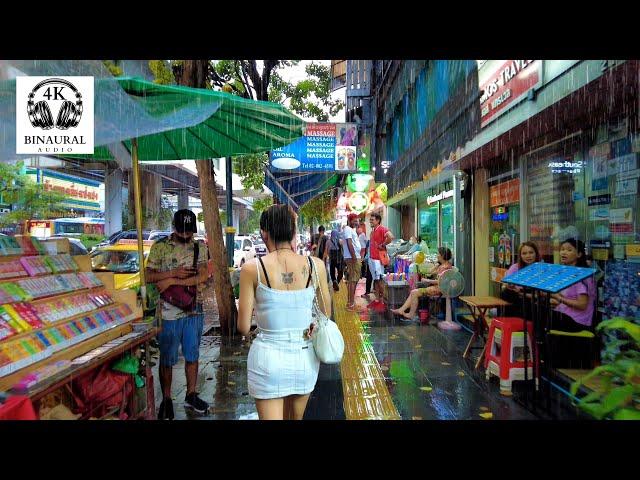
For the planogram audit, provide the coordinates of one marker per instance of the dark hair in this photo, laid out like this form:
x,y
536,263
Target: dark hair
x,y
521,264
579,246
377,215
279,221
445,253
321,228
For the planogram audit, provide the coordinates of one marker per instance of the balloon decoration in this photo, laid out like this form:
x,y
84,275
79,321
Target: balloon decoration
x,y
418,257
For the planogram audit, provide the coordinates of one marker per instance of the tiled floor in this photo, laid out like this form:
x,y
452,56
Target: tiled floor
x,y
423,369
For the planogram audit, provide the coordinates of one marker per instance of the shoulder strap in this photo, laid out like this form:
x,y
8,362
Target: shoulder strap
x,y
310,271
196,252
266,277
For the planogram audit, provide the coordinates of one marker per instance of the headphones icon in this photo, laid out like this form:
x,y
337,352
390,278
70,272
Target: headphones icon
x,y
40,113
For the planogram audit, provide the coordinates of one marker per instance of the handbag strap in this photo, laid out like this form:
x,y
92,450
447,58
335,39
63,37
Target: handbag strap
x,y
316,284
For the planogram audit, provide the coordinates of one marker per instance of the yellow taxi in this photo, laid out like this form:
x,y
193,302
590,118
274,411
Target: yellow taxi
x,y
123,260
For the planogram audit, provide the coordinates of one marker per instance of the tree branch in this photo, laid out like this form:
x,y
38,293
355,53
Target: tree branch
x,y
245,79
255,79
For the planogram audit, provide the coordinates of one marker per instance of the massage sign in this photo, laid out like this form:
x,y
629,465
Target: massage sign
x,y
503,83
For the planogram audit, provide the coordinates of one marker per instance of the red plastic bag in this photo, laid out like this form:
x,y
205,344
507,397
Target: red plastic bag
x,y
17,408
101,390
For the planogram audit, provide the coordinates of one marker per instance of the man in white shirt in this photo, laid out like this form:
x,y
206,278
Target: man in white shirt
x,y
351,252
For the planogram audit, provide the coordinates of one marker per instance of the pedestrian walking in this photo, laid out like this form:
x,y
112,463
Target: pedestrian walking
x,y
282,367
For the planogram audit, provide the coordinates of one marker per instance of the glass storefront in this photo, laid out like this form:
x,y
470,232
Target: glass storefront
x,y
447,223
428,225
504,227
587,188
436,217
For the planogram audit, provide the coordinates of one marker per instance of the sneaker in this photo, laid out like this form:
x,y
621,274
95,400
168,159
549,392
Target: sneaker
x,y
194,402
166,409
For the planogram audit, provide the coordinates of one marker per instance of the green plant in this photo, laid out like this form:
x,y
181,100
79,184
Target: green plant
x,y
90,240
619,397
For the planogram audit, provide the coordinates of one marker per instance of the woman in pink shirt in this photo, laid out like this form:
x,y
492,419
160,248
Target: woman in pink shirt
x,y
574,305
527,254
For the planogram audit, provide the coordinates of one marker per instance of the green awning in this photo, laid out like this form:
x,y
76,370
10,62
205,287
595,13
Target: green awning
x,y
238,125
171,122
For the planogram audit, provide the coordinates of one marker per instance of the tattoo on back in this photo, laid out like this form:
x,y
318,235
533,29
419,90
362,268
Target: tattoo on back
x,y
287,278
304,271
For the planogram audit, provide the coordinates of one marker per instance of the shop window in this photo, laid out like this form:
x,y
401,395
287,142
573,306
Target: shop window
x,y
504,227
447,224
556,204
428,225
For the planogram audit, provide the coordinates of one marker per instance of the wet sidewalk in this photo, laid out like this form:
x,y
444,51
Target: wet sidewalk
x,y
391,369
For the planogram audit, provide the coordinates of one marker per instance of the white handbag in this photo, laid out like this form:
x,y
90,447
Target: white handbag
x,y
326,338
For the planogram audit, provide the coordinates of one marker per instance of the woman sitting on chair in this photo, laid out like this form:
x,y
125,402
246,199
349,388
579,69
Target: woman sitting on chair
x,y
528,254
575,304
433,290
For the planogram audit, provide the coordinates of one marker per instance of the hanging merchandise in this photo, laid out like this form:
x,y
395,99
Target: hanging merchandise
x,y
504,250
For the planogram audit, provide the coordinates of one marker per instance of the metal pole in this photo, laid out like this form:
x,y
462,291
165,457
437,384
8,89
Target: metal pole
x,y
230,230
138,214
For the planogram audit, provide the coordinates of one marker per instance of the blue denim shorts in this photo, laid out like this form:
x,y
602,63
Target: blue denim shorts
x,y
186,331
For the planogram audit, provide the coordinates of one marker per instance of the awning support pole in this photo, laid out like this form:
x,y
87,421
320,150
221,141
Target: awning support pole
x,y
138,205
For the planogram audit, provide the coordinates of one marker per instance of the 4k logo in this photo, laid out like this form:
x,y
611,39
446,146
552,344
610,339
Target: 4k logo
x,y
54,115
69,114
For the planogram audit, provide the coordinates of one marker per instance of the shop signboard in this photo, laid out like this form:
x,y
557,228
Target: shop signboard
x,y
599,178
325,147
599,200
505,193
631,174
82,194
600,213
600,244
627,187
503,83
633,250
441,196
600,254
621,215
621,227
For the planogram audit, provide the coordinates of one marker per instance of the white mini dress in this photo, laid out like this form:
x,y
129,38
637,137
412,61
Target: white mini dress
x,y
281,359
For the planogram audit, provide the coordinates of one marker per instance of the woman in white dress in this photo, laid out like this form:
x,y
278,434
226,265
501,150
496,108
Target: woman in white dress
x,y
282,367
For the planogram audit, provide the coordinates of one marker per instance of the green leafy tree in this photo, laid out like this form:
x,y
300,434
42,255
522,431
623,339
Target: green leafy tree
x,y
309,98
30,200
244,78
319,209
253,219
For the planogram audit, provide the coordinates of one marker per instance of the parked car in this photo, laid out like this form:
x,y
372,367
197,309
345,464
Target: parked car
x,y
158,234
245,249
130,235
123,260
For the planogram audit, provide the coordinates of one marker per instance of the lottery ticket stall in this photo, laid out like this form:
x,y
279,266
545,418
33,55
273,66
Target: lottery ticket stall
x,y
66,334
538,282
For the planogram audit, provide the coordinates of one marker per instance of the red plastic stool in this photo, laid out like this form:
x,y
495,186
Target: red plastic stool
x,y
505,335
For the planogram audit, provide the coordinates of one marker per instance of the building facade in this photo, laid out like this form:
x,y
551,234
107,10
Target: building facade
x,y
483,155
